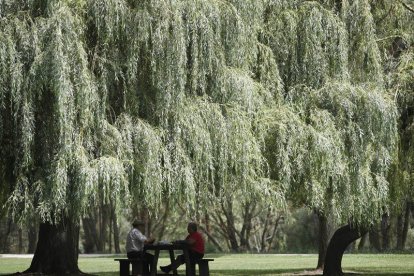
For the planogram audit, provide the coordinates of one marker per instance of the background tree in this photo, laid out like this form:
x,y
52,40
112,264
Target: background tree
x,y
112,101
326,149
396,39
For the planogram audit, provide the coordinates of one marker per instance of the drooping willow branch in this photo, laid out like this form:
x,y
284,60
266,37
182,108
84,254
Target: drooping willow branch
x,y
406,6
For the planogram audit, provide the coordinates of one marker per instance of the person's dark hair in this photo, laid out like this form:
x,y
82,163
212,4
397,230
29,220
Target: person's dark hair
x,y
137,223
193,226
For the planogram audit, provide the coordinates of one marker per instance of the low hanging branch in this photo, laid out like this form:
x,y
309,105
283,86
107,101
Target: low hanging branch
x,y
411,9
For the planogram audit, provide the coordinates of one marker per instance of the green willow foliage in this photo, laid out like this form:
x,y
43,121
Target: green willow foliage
x,y
395,38
130,102
338,142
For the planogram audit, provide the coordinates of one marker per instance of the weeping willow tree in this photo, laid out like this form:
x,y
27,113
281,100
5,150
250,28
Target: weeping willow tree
x,y
334,146
393,22
204,102
130,101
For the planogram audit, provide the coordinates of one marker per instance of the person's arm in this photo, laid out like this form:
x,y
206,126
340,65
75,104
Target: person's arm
x,y
149,241
144,239
190,241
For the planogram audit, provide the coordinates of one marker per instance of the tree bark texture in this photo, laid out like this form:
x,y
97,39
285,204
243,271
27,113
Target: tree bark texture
x,y
374,238
336,248
403,223
362,242
116,234
32,237
57,249
322,240
89,241
385,231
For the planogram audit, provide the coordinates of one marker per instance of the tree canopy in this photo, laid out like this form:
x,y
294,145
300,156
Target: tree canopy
x,y
133,101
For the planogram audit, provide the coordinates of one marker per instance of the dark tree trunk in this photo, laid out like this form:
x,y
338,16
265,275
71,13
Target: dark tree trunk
x,y
104,222
90,241
406,223
374,239
116,234
6,233
32,237
385,231
230,226
57,249
402,227
336,248
275,226
248,213
160,226
322,239
20,235
231,232
362,242
263,247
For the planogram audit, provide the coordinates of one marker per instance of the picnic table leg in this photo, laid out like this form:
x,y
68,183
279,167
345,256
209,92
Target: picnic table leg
x,y
155,262
123,269
188,267
172,259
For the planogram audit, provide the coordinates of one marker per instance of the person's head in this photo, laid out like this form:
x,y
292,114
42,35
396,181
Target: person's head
x,y
137,223
192,227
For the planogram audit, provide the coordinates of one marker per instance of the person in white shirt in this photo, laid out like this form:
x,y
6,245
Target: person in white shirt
x,y
135,244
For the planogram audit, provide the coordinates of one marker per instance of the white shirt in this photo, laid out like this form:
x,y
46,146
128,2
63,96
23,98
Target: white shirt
x,y
135,241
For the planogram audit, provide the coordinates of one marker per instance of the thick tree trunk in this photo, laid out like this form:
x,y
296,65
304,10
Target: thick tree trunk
x,y
90,240
32,236
57,249
406,223
336,248
230,226
322,239
249,209
116,234
275,226
362,242
385,231
20,235
402,227
374,238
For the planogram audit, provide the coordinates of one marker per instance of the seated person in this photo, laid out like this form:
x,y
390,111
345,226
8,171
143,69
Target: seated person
x,y
196,250
135,244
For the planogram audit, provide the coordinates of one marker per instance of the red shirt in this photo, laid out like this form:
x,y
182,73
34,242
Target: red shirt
x,y
198,246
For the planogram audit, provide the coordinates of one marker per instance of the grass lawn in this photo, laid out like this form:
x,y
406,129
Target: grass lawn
x,y
251,264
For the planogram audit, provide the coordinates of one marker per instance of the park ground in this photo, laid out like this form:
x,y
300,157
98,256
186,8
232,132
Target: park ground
x,y
246,264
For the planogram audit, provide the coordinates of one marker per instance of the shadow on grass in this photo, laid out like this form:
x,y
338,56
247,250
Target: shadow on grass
x,y
284,272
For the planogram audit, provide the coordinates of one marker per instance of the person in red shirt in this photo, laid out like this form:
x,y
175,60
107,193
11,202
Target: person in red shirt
x,y
196,250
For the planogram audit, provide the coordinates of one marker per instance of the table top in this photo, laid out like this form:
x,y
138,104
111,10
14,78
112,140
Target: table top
x,y
166,246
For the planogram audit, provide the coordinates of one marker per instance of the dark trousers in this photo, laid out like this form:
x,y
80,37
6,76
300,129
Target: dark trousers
x,y
147,257
194,257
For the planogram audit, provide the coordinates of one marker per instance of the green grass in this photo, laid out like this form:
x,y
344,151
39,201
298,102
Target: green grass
x,y
250,264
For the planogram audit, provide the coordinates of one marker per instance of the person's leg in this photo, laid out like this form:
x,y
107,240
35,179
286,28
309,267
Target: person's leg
x,y
134,255
147,263
174,265
178,261
194,257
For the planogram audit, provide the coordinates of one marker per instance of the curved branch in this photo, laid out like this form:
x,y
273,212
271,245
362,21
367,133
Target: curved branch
x,y
406,6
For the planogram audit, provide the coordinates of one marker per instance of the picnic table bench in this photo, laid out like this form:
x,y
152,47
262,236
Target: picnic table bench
x,y
203,269
124,266
137,263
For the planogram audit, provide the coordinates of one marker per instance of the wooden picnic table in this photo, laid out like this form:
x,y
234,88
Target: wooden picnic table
x,y
170,247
